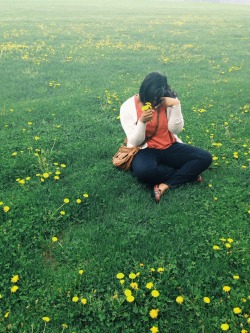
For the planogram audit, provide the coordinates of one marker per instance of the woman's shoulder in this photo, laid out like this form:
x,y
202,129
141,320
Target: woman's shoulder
x,y
130,102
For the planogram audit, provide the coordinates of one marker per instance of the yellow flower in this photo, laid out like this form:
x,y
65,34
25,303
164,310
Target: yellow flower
x,y
130,299
85,195
66,200
64,325
160,270
56,177
62,212
120,276
236,277
244,331
134,285
230,240
75,299
179,299
7,314
226,289
1,203
6,209
46,319
237,310
216,247
15,278
132,276
14,153
14,289
154,313
78,201
206,300
122,281
36,138
63,165
54,239
248,320
147,106
228,245
81,271
152,270
155,293
30,123
46,175
149,285
154,329
84,301
224,327
127,292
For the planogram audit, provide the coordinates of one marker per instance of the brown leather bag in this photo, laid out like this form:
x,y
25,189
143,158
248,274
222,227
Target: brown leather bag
x,y
123,158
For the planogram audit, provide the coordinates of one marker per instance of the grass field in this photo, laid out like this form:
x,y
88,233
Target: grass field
x,y
70,222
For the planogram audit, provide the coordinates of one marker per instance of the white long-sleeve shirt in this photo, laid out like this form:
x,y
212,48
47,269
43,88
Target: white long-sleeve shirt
x,y
136,130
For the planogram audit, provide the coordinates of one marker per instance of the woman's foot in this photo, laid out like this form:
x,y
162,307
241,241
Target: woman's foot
x,y
159,190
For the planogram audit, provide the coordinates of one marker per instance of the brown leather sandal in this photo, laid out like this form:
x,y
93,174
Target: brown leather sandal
x,y
157,193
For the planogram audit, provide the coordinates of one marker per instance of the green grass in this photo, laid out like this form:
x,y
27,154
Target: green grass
x,y
65,70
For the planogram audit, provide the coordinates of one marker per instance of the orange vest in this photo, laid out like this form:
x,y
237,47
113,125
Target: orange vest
x,y
162,138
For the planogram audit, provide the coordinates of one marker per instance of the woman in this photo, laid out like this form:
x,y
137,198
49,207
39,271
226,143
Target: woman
x,y
163,160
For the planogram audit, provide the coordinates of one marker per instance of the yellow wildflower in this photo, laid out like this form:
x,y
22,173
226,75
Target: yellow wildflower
x,y
160,270
85,195
147,106
134,285
46,175
228,245
14,289
216,247
154,329
7,314
81,271
78,201
132,276
15,278
155,293
120,276
224,327
236,277
237,310
154,313
122,281
6,209
84,301
75,299
226,289
46,319
179,299
130,299
66,200
206,300
127,292
149,285
62,212
54,239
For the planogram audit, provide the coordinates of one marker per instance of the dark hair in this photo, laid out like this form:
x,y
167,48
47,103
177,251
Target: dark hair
x,y
154,87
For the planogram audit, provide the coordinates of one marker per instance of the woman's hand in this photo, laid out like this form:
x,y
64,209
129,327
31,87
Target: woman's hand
x,y
147,115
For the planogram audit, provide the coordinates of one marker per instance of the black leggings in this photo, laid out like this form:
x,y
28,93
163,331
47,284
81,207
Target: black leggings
x,y
176,165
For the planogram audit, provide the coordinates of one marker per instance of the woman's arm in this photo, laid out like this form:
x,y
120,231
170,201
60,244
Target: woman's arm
x,y
174,114
134,129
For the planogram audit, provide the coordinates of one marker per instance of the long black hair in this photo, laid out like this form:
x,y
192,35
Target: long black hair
x,y
154,87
